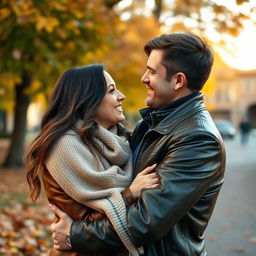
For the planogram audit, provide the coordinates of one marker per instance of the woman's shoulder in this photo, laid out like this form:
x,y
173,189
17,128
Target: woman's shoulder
x,y
69,145
69,139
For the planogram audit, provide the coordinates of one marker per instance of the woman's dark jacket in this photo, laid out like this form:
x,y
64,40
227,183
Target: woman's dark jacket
x,y
169,220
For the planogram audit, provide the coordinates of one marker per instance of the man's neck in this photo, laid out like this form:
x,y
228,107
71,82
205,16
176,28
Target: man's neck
x,y
178,101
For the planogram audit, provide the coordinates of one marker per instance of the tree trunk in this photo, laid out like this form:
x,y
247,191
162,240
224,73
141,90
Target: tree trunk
x,y
3,124
158,8
14,156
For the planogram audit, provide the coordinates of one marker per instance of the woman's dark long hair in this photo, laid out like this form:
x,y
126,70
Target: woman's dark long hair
x,y
76,95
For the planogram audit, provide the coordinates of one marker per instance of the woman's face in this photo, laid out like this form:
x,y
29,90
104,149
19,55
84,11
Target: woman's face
x,y
110,111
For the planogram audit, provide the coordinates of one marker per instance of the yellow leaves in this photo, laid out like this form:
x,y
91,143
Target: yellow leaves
x,y
79,8
73,25
8,80
179,26
61,33
22,7
78,14
58,44
4,13
88,57
89,25
24,11
70,45
25,230
57,6
47,23
35,85
240,2
41,97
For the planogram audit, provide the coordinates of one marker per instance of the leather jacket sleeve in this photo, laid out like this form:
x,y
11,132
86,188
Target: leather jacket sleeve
x,y
191,164
80,230
96,236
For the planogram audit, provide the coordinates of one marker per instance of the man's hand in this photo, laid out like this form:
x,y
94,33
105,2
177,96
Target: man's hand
x,y
60,228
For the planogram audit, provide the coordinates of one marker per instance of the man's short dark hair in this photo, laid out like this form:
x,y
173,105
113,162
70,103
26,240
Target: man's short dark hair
x,y
186,53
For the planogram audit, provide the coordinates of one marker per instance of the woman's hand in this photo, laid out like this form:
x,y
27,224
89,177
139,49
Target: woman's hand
x,y
145,179
60,229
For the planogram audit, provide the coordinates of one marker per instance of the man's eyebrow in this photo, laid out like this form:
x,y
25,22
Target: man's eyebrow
x,y
152,69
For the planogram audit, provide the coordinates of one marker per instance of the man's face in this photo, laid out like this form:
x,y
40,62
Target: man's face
x,y
160,91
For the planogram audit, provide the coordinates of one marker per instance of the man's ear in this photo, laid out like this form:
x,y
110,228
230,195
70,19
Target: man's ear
x,y
180,80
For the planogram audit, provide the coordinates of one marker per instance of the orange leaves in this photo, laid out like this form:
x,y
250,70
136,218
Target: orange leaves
x,y
4,13
24,228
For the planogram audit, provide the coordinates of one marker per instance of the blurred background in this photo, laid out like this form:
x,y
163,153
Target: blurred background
x,y
41,39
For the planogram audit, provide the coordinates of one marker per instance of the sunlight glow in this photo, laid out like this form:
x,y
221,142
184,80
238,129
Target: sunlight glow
x,y
240,53
244,8
150,4
123,4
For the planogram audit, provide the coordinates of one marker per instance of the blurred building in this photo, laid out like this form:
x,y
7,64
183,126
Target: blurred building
x,y
235,96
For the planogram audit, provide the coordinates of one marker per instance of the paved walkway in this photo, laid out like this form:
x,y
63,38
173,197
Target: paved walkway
x,y
232,229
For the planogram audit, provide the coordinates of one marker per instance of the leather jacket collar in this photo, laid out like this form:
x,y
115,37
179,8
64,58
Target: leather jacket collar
x,y
171,114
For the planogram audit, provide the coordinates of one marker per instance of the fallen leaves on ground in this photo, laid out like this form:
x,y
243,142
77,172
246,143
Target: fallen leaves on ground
x,y
24,226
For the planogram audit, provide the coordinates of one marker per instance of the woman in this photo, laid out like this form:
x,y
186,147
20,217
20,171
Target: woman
x,y
83,154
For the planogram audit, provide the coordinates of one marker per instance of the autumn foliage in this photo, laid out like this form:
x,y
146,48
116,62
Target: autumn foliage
x,y
24,226
24,230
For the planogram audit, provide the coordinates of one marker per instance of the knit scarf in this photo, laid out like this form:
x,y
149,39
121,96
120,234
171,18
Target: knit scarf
x,y
74,167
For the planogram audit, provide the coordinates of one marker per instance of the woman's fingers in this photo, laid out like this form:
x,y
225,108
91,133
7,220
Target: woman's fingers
x,y
59,213
153,175
149,169
156,180
152,182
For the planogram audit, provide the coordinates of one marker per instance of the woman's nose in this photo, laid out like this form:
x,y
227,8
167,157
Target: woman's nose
x,y
120,95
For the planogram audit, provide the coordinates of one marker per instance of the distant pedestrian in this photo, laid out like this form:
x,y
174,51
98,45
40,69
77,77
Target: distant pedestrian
x,y
245,130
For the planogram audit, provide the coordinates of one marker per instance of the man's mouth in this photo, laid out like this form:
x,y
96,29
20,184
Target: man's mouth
x,y
150,90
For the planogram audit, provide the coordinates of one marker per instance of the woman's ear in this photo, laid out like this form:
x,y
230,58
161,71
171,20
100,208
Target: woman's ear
x,y
181,80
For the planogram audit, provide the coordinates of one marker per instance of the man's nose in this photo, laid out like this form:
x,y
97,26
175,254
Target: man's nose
x,y
145,78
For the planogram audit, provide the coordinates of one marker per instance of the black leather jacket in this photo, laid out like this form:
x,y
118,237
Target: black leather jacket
x,y
170,220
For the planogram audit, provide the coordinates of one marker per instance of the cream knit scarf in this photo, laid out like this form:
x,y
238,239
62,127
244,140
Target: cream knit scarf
x,y
74,167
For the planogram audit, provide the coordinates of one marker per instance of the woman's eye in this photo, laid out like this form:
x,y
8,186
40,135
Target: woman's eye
x,y
112,90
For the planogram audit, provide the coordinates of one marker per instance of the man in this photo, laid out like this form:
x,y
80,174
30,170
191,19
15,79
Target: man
x,y
245,131
178,134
